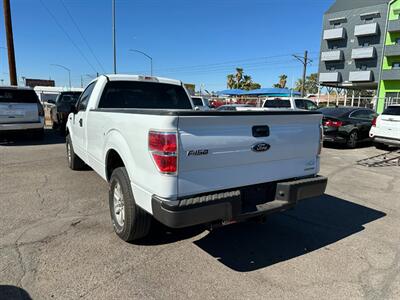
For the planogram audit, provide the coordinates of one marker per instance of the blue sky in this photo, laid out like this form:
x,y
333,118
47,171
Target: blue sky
x,y
197,41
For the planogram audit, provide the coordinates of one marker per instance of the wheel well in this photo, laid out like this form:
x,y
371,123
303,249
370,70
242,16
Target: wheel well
x,y
113,161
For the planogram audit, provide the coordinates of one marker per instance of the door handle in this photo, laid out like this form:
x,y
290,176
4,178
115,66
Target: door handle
x,y
260,131
80,122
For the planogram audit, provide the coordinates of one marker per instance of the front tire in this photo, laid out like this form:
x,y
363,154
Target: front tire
x,y
74,161
352,140
129,220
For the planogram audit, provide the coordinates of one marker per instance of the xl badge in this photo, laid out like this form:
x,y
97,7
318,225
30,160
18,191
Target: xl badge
x,y
261,147
197,152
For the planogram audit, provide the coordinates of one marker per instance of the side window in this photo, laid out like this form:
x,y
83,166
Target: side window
x,y
300,104
84,99
309,105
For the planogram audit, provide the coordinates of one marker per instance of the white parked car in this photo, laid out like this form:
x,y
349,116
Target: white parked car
x,y
385,130
20,111
290,103
183,167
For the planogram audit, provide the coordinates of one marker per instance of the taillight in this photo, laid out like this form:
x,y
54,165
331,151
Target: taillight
x,y
40,110
374,122
332,123
163,148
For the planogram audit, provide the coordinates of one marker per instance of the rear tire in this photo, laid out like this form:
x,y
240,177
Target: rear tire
x,y
74,161
352,140
129,220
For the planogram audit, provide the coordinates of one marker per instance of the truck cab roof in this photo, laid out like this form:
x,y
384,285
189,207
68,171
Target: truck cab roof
x,y
144,78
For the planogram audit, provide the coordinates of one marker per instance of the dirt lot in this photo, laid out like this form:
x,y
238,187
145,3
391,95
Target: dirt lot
x,y
57,242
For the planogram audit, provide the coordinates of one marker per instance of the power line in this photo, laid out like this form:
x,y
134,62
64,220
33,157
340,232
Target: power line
x,y
82,36
226,68
223,63
68,36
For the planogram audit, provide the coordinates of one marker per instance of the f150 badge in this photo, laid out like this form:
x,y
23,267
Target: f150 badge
x,y
260,147
197,152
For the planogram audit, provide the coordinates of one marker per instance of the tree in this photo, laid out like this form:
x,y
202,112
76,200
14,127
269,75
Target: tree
x,y
282,82
239,77
231,83
310,86
241,81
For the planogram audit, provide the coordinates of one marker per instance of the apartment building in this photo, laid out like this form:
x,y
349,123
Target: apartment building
x,y
352,44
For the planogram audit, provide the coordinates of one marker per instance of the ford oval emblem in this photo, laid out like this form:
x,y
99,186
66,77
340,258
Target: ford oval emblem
x,y
261,147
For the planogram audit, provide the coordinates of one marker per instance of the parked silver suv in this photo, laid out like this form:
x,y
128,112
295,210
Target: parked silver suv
x,y
20,111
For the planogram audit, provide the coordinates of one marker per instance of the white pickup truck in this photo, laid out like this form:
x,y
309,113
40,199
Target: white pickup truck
x,y
164,160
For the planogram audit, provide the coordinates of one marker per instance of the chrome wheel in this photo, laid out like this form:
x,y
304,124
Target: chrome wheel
x,y
119,206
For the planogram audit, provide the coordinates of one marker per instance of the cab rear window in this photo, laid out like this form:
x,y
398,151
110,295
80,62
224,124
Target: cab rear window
x,y
145,95
277,104
18,96
392,110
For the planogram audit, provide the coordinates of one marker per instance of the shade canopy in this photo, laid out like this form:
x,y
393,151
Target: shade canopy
x,y
269,92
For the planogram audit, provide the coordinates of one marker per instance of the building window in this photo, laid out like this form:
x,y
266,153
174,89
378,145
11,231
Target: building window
x,y
337,25
396,65
332,68
363,68
369,19
366,44
333,47
397,41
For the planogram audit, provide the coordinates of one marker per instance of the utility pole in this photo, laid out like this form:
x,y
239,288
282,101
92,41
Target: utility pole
x,y
114,37
305,61
10,42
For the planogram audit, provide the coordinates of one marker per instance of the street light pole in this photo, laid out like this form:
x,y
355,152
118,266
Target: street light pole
x,y
114,37
148,56
65,68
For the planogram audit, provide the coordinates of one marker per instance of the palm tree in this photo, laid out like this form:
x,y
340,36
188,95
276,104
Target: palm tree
x,y
247,82
299,85
231,83
282,81
239,77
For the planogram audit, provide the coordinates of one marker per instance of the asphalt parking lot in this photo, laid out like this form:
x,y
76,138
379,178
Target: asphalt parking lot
x,y
57,242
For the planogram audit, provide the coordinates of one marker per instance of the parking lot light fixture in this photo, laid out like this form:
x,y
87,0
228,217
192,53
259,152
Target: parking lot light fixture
x,y
148,56
68,70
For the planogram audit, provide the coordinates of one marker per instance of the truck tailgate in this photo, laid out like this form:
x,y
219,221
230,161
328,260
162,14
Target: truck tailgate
x,y
222,152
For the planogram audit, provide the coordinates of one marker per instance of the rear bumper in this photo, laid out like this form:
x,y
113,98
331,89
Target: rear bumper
x,y
387,141
5,127
237,204
335,138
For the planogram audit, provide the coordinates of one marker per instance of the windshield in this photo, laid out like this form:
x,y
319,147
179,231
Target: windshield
x,y
18,96
147,95
392,110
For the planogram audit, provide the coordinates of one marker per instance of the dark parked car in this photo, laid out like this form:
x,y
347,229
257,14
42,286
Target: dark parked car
x,y
347,125
62,108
